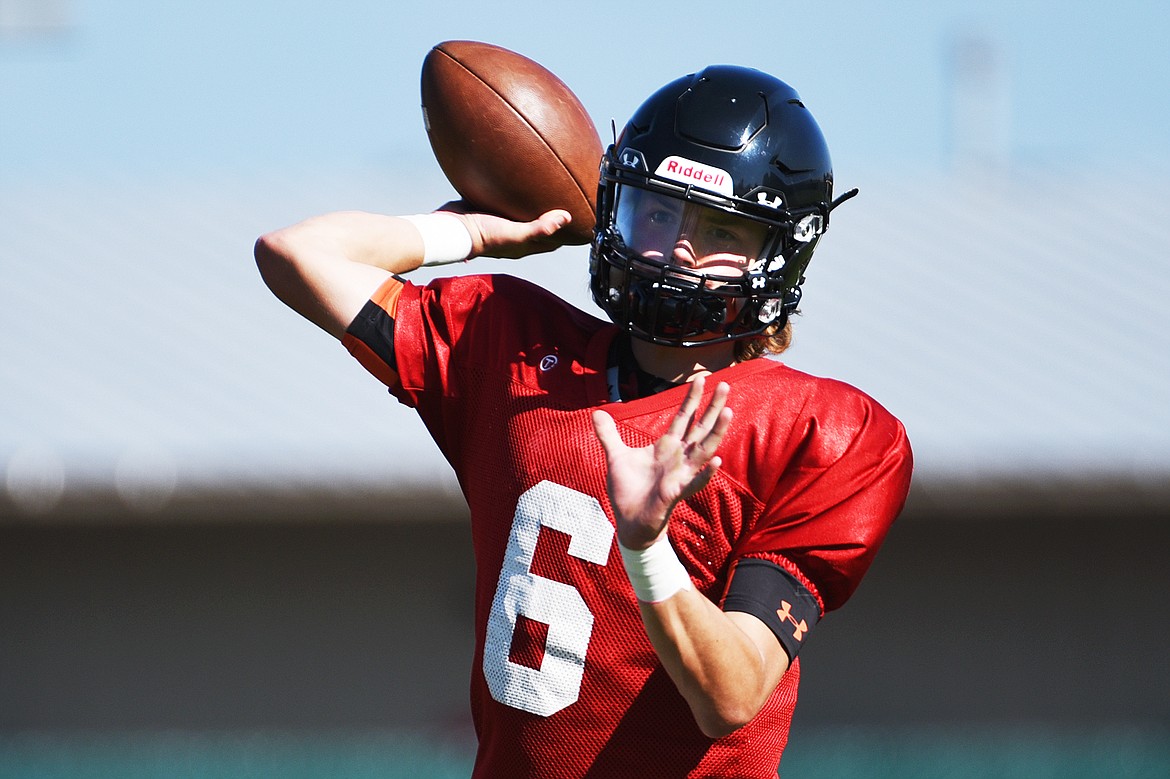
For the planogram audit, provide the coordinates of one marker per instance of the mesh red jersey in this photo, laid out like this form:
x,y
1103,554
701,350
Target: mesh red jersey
x,y
565,682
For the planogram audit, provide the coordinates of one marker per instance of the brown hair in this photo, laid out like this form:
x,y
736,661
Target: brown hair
x,y
773,341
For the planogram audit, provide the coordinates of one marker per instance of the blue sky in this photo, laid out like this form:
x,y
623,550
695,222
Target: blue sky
x,y
177,87
166,136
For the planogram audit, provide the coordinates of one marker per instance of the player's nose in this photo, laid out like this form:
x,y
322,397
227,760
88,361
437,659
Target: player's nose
x,y
684,254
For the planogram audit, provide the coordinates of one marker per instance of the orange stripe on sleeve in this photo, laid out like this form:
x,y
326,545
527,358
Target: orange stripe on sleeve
x,y
386,296
370,337
370,361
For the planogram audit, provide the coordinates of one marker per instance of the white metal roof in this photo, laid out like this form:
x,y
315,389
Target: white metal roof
x,y
1015,323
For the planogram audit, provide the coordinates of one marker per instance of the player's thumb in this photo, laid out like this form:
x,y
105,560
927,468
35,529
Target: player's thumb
x,y
607,433
552,221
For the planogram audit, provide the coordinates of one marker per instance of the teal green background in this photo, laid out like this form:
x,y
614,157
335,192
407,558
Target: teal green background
x,y
840,753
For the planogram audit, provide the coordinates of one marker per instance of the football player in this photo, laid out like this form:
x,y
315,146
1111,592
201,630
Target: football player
x,y
648,566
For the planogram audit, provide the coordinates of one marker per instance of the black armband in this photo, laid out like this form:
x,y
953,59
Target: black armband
x,y
375,328
776,597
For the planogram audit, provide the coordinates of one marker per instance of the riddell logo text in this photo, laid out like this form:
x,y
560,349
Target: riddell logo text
x,y
696,173
691,172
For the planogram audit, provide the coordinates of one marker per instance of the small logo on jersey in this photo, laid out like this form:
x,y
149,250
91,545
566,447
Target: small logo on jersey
x,y
785,613
690,172
548,362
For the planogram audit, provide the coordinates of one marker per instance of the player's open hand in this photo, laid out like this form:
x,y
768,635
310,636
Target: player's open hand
x,y
495,236
646,483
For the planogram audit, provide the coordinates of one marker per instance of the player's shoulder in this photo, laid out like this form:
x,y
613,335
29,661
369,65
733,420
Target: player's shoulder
x,y
814,392
519,297
833,413
499,307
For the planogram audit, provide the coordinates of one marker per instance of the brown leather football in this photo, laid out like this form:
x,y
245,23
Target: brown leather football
x,y
511,138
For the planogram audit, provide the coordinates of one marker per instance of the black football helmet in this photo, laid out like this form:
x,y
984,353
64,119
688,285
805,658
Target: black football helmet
x,y
731,143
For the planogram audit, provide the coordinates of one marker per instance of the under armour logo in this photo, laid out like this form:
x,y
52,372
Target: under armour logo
x,y
785,613
632,158
773,202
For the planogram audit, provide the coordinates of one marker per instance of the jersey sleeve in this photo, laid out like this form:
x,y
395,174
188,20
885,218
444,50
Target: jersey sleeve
x,y
370,336
409,336
845,483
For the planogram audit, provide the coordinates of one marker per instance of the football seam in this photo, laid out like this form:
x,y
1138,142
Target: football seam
x,y
535,131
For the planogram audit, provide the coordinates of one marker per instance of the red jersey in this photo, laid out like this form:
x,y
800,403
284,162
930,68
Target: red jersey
x,y
565,682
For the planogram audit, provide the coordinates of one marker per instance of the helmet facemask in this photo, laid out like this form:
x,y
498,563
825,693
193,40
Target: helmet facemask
x,y
678,265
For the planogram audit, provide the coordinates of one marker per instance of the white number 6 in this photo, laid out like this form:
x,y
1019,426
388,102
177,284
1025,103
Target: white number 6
x,y
557,683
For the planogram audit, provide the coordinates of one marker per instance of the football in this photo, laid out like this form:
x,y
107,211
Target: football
x,y
510,136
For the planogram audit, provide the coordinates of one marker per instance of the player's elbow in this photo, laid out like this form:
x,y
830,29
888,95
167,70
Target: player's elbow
x,y
723,718
283,274
272,259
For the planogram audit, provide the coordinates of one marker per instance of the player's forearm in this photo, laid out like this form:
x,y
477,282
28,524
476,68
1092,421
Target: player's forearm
x,y
326,267
380,241
720,671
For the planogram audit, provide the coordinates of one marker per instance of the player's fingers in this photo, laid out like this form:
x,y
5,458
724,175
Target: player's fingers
x,y
495,236
607,433
686,412
704,449
508,232
538,236
702,478
550,222
710,416
721,424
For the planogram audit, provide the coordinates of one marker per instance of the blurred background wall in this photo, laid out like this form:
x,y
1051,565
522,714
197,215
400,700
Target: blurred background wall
x,y
211,521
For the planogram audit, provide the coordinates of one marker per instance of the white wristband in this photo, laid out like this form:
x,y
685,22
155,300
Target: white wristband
x,y
445,237
655,572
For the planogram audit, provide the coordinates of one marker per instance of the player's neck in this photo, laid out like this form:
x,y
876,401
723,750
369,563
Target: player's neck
x,y
679,364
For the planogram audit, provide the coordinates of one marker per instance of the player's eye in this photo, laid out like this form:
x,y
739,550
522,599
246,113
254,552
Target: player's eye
x,y
661,217
723,235
721,238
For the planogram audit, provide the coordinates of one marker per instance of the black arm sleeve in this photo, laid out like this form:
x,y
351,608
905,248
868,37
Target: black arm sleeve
x,y
768,592
374,327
